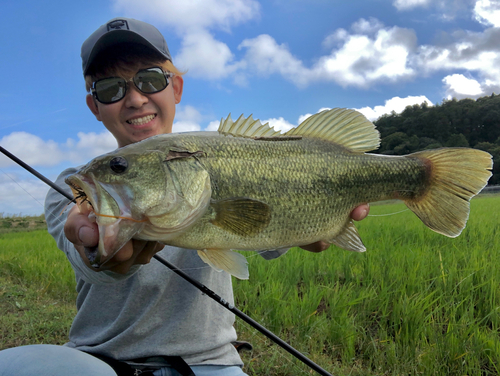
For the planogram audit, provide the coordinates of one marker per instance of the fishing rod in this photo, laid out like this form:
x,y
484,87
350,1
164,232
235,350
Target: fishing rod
x,y
205,290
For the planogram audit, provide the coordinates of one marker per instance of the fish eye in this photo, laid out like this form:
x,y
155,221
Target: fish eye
x,y
118,165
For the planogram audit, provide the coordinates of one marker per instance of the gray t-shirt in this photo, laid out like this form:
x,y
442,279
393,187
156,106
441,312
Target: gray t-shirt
x,y
150,311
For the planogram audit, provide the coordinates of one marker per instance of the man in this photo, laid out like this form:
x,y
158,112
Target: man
x,y
142,314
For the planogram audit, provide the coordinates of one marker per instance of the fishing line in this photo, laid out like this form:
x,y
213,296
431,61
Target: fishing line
x,y
205,290
385,215
20,186
38,202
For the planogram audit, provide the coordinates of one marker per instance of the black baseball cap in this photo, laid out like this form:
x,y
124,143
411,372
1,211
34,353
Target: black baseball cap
x,y
119,30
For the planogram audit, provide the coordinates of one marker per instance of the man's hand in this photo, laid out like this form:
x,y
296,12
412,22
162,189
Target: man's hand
x,y
85,234
357,214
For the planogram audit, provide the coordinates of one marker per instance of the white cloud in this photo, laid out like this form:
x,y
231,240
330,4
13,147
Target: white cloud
x,y
90,145
477,53
459,86
395,104
188,113
446,10
31,149
279,124
364,26
188,15
21,196
370,54
410,4
487,12
187,118
265,56
200,53
37,152
364,55
185,126
204,56
213,126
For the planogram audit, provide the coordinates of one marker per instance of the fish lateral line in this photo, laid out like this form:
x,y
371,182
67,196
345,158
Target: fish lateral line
x,y
120,217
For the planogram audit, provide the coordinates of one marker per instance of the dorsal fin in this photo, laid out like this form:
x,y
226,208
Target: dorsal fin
x,y
248,127
346,127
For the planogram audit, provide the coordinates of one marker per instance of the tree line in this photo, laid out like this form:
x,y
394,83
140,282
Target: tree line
x,y
453,123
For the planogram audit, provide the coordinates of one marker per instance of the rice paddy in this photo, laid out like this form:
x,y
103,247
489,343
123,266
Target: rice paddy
x,y
415,303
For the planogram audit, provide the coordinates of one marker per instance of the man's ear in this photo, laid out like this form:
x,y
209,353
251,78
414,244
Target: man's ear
x,y
92,105
177,85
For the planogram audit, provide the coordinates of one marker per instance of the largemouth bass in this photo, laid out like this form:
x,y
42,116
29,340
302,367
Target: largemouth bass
x,y
249,187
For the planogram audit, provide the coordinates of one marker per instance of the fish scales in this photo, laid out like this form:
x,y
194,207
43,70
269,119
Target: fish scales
x,y
249,187
311,186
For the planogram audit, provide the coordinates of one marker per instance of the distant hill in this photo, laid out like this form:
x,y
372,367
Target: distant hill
x,y
17,223
464,123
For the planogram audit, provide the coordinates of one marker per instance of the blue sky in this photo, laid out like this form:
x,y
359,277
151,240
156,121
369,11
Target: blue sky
x,y
279,60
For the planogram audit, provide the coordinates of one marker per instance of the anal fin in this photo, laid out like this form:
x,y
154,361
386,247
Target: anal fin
x,y
349,239
224,259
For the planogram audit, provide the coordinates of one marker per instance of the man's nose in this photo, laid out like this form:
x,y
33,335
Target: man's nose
x,y
134,97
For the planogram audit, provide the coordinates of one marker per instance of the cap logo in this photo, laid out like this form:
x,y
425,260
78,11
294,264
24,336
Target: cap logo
x,y
118,25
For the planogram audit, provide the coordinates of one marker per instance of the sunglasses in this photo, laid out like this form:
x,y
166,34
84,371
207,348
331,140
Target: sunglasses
x,y
147,81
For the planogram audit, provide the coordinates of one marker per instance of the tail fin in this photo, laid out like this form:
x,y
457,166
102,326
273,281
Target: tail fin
x,y
455,176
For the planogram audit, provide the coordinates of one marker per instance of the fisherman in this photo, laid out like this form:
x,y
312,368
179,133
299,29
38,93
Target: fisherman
x,y
134,318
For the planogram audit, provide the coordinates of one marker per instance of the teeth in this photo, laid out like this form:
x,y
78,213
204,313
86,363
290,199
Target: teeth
x,y
142,120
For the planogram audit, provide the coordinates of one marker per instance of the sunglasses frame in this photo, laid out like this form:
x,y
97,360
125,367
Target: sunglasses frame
x,y
93,90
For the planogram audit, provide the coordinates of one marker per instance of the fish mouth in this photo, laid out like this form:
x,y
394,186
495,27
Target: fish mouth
x,y
84,192
111,212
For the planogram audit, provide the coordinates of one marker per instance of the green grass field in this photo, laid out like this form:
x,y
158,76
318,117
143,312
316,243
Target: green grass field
x,y
415,303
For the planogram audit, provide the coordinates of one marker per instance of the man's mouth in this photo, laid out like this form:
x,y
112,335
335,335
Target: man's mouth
x,y
141,120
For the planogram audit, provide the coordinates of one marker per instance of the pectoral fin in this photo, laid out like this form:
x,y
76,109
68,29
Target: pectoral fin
x,y
241,216
225,259
349,239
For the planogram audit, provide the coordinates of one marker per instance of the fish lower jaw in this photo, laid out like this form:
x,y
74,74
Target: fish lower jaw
x,y
141,120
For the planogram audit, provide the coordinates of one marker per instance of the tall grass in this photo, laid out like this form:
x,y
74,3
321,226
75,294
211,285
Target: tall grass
x,y
37,290
415,303
33,259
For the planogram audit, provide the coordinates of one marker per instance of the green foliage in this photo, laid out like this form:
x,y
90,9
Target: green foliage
x,y
453,123
17,223
37,290
415,303
457,140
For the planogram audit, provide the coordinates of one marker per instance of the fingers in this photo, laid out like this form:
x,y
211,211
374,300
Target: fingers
x,y
361,212
316,247
80,230
149,250
134,252
84,233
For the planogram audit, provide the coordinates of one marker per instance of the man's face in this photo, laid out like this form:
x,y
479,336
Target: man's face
x,y
138,116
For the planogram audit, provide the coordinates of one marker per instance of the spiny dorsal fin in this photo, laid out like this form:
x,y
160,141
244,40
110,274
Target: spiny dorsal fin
x,y
248,127
346,127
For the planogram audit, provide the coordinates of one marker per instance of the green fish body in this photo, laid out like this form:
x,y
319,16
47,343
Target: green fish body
x,y
248,187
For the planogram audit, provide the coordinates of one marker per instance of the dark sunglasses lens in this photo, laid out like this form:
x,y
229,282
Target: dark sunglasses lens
x,y
110,90
150,80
